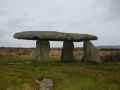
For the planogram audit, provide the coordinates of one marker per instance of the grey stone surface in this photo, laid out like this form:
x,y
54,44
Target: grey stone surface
x,y
45,84
54,36
90,53
41,52
67,51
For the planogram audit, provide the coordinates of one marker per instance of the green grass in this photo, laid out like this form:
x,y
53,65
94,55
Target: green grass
x,y
21,75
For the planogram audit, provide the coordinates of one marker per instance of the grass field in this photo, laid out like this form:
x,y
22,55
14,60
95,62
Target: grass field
x,y
21,75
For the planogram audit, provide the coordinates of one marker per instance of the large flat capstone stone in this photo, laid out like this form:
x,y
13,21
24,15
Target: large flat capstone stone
x,y
53,36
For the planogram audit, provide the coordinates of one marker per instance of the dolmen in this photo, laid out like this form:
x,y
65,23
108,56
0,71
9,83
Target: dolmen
x,y
41,52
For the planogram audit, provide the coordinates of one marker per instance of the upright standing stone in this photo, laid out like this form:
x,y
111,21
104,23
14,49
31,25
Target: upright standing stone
x,y
90,53
41,52
67,51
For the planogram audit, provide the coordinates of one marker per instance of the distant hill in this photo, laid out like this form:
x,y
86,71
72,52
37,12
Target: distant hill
x,y
117,47
100,47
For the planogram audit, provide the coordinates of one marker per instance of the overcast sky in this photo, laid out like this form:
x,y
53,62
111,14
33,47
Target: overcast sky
x,y
99,17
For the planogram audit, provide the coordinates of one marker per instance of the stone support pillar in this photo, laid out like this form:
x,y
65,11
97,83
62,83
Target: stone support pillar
x,y
90,53
67,51
41,52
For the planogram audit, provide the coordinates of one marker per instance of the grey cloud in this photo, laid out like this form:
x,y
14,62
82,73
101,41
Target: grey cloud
x,y
111,7
115,8
3,12
100,17
3,36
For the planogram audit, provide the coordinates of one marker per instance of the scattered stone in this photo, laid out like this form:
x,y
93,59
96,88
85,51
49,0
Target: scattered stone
x,y
45,84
